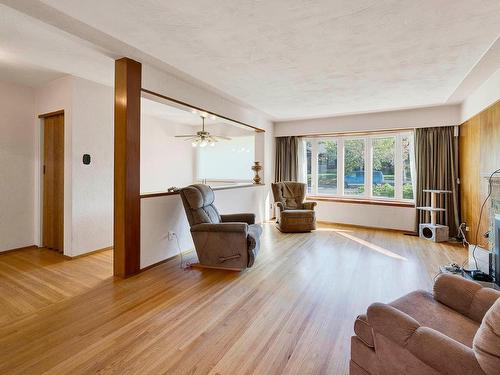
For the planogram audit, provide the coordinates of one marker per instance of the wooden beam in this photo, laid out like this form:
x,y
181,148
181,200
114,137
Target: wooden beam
x,y
127,204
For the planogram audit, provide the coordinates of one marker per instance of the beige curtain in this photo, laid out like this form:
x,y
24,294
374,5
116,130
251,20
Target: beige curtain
x,y
436,162
287,159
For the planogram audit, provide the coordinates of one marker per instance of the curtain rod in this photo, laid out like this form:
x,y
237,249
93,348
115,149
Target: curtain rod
x,y
317,135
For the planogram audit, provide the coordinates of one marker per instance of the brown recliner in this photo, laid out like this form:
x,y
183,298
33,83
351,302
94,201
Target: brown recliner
x,y
221,241
294,215
455,330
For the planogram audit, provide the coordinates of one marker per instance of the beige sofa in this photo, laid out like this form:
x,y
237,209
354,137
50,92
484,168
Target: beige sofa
x,y
221,241
455,330
293,214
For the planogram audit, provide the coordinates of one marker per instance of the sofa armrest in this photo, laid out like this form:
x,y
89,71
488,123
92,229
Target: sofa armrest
x,y
438,351
391,322
239,218
309,205
221,227
464,296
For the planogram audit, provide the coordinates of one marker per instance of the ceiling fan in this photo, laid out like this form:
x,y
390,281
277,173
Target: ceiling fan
x,y
202,138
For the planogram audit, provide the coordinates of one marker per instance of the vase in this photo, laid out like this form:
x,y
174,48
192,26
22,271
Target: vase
x,y
256,167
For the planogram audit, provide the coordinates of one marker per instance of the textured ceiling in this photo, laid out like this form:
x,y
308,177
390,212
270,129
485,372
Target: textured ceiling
x,y
298,58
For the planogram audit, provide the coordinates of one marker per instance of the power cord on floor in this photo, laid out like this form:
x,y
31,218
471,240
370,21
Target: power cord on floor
x,y
181,266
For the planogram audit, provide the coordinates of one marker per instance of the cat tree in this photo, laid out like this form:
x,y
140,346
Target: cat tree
x,y
433,231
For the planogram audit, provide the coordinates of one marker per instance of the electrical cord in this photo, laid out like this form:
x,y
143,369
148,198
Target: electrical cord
x,y
479,221
179,248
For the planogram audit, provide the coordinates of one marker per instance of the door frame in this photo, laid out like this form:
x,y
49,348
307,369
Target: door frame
x,y
39,179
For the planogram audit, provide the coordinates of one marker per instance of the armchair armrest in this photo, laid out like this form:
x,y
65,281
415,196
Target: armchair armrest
x,y
248,218
391,322
464,296
221,227
438,351
309,205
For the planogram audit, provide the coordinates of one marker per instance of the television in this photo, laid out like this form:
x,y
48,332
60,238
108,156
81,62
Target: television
x,y
496,251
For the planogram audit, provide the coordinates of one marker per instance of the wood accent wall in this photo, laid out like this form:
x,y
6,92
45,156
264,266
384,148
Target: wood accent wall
x,y
479,155
127,198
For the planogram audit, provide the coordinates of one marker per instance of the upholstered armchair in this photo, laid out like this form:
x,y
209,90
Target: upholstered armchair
x,y
222,241
455,330
293,214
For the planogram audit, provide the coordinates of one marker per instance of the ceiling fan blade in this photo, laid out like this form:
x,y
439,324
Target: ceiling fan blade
x,y
185,136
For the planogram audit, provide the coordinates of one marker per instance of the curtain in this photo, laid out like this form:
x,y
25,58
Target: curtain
x,y
287,159
436,164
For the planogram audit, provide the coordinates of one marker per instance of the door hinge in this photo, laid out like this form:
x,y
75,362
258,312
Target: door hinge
x,y
44,169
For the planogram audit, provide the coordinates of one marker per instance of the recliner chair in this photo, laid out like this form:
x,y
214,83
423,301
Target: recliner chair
x,y
229,242
294,215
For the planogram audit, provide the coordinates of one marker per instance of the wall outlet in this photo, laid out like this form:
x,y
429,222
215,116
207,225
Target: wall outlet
x,y
171,236
467,229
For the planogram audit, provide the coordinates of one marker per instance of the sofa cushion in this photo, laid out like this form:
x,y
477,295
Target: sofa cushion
x,y
363,330
422,307
487,341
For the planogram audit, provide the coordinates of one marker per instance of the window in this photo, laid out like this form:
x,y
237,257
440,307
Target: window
x,y
229,160
378,166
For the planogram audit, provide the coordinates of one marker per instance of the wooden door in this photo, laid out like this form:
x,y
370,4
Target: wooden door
x,y
53,182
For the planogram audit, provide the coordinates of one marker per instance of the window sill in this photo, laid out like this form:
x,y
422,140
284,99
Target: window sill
x,y
376,202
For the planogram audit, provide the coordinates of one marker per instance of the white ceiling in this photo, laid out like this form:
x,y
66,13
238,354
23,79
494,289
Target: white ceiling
x,y
301,58
33,53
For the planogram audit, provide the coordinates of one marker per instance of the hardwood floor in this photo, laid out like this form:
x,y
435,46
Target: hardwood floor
x,y
292,313
33,279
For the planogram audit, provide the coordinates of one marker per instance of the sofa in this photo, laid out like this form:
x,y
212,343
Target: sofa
x,y
293,214
454,330
221,241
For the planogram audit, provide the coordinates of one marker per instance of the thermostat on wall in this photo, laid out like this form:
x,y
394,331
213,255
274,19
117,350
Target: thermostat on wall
x,y
86,159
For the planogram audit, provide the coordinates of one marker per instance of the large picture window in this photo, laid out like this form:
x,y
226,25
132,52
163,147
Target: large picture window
x,y
378,166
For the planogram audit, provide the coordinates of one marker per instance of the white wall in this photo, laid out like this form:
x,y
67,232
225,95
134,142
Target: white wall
x,y
88,189
165,161
17,158
160,215
404,119
377,216
92,185
484,96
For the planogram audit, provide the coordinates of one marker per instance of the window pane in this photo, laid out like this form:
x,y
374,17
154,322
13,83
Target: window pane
x,y
407,184
354,167
327,167
383,167
236,155
309,169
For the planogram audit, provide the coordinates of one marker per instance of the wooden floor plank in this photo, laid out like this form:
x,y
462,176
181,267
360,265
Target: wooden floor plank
x,y
292,313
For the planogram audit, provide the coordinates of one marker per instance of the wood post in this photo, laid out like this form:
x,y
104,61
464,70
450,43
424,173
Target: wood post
x,y
127,203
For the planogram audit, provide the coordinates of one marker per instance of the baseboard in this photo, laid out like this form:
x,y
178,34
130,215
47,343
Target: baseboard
x,y
19,249
165,260
89,253
364,226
